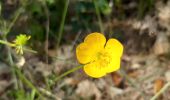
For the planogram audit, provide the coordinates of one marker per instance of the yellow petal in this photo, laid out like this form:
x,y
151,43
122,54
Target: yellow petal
x,y
97,39
87,50
114,47
114,65
85,53
94,70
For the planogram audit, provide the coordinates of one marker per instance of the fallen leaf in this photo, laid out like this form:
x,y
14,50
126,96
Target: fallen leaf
x,y
118,80
158,84
88,89
133,73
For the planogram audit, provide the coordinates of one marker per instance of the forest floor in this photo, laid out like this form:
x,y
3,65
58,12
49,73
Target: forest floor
x,y
145,66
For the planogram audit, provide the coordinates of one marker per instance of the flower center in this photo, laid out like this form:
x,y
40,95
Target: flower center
x,y
103,58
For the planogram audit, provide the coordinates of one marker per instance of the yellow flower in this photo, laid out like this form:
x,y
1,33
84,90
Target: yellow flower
x,y
98,56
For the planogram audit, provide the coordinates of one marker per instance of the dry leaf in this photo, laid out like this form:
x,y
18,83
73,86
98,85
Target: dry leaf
x,y
133,73
161,45
71,81
88,89
158,84
118,80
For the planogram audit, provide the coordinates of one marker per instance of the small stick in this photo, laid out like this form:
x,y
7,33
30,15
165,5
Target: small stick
x,y
161,91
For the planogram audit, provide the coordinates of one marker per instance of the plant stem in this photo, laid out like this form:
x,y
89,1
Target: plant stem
x,y
66,73
11,63
33,92
16,71
6,43
18,12
49,94
62,22
47,26
167,85
46,45
29,50
98,16
25,80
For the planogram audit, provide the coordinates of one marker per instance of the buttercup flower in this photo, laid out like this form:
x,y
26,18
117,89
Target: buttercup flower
x,y
20,42
98,56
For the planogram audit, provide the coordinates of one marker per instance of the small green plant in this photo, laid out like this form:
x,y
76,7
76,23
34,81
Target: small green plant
x,y
22,95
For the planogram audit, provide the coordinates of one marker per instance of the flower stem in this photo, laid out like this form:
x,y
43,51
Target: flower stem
x,y
18,13
49,94
11,63
167,85
66,73
6,43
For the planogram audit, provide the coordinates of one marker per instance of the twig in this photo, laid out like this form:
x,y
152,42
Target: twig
x,y
167,85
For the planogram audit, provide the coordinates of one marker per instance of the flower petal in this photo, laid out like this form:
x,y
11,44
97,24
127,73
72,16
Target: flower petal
x,y
94,70
84,53
113,66
93,43
114,47
97,39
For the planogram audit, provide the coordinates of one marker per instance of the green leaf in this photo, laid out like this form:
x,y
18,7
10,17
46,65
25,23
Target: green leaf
x,y
104,6
50,1
20,95
32,95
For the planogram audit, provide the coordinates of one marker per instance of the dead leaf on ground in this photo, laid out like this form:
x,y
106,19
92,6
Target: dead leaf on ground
x,y
158,84
118,80
88,89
